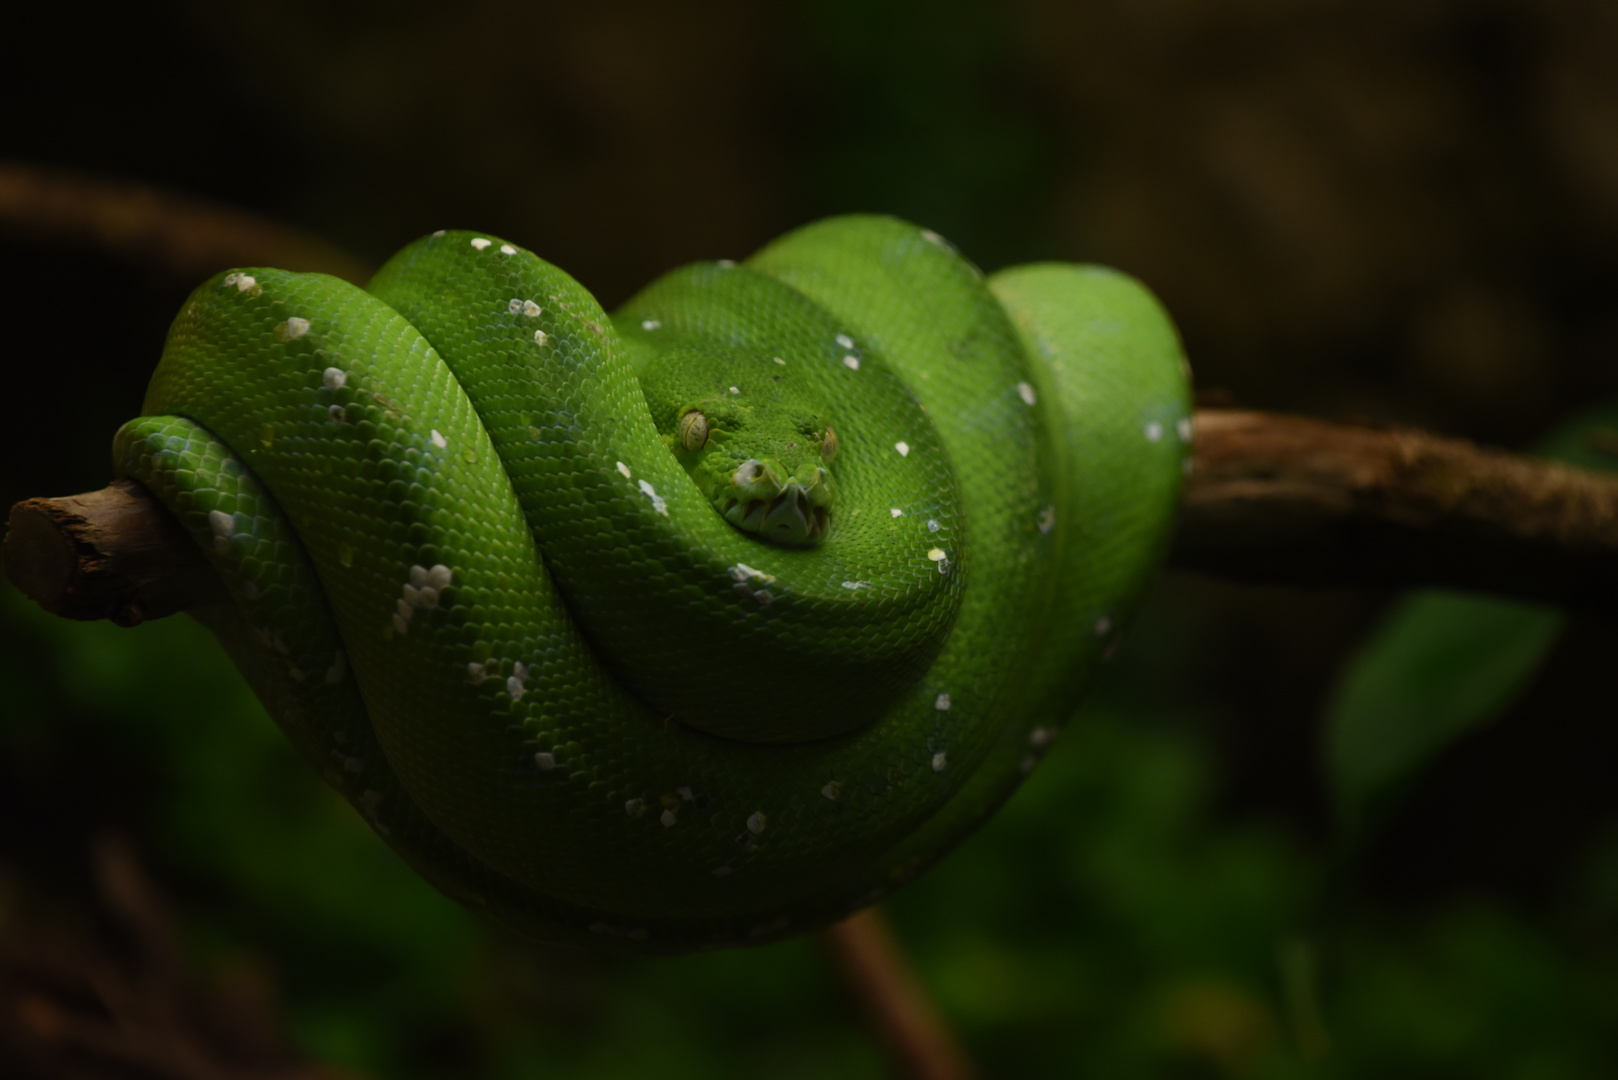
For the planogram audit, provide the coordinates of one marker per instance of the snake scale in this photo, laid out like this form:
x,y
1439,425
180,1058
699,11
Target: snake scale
x,y
699,624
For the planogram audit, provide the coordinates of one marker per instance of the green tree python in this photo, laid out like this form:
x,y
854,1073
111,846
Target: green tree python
x,y
700,624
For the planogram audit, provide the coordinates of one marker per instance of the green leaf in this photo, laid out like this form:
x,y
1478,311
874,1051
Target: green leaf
x,y
1442,664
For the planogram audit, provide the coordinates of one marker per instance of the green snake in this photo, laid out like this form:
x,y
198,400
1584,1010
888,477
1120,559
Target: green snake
x,y
704,623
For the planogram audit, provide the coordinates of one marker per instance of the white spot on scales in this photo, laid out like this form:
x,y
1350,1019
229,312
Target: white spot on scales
x,y
741,572
245,283
224,527
480,242
421,590
514,683
658,502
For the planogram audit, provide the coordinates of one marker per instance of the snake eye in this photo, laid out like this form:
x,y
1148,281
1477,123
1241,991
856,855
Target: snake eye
x,y
828,446
693,430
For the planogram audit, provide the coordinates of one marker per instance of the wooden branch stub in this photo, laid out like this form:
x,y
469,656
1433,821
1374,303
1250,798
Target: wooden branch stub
x,y
112,554
1285,500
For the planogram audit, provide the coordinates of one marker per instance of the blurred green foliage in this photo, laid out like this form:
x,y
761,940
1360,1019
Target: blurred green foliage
x,y
1106,923
1443,663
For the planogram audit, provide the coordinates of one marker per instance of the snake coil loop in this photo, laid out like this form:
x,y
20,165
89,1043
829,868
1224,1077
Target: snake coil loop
x,y
611,682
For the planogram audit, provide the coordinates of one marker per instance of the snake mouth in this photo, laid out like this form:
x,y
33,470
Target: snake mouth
x,y
792,513
788,518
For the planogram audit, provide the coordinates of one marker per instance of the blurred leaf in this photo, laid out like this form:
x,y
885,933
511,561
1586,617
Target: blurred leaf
x,y
1444,663
1439,666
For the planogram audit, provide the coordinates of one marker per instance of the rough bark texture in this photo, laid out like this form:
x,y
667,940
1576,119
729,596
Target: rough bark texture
x,y
112,554
1284,500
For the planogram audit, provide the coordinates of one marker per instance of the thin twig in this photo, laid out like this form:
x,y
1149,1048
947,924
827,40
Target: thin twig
x,y
892,998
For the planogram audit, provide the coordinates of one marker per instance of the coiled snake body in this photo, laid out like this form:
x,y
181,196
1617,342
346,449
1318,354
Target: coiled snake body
x,y
703,623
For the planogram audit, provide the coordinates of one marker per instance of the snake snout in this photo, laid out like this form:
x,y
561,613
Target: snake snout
x,y
793,513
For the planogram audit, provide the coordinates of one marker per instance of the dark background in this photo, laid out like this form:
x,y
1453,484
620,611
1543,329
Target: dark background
x,y
1400,212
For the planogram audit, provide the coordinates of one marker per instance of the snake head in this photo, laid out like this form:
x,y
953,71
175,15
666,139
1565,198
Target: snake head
x,y
751,432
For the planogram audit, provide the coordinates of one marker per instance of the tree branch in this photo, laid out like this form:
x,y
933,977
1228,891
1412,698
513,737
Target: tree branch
x,y
1272,500
189,237
1284,500
112,554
